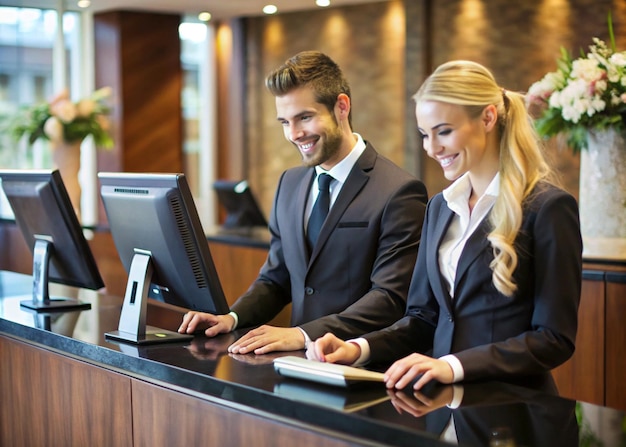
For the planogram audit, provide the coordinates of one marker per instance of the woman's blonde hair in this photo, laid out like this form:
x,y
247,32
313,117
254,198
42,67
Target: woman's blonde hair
x,y
522,163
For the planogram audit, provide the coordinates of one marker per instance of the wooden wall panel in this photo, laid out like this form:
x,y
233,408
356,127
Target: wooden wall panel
x,y
14,253
615,343
238,267
138,55
51,400
582,377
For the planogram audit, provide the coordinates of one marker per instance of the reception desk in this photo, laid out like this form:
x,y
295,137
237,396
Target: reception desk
x,y
63,383
594,374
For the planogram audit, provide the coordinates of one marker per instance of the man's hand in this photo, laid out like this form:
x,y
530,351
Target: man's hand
x,y
253,359
211,324
266,339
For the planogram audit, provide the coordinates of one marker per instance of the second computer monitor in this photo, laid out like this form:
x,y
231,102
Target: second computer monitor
x,y
161,243
242,209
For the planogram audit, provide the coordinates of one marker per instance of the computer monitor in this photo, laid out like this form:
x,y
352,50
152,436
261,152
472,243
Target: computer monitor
x,y
161,243
242,209
45,215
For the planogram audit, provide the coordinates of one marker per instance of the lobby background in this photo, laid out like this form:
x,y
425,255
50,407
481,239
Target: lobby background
x,y
386,50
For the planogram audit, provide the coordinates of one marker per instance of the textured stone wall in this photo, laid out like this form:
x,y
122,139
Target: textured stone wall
x,y
387,48
366,41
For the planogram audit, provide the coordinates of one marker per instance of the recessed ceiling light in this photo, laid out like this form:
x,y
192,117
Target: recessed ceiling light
x,y
270,9
83,3
322,3
204,16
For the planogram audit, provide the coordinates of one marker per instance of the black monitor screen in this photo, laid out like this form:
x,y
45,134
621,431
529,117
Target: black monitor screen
x,y
46,218
242,209
161,243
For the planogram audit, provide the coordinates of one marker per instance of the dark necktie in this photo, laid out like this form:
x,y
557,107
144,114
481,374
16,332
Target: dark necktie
x,y
320,209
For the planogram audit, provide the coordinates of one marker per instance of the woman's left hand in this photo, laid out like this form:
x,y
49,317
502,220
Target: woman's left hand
x,y
404,371
420,404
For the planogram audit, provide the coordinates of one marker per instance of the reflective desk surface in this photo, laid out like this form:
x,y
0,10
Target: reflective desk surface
x,y
368,413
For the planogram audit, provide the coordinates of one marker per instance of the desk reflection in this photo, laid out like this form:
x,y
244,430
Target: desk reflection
x,y
347,400
493,415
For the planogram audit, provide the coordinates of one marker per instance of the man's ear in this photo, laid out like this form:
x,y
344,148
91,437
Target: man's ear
x,y
489,117
342,107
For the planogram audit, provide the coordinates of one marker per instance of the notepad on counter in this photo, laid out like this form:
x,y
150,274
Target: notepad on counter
x,y
327,373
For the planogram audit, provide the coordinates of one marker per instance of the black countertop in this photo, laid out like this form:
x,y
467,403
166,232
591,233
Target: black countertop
x,y
204,368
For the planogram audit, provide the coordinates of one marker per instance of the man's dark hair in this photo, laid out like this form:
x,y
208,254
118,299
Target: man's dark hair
x,y
313,69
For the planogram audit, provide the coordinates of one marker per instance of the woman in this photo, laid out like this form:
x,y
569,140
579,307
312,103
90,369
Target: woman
x,y
496,287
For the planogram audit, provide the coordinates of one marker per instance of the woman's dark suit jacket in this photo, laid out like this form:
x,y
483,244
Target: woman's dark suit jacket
x,y
356,279
492,335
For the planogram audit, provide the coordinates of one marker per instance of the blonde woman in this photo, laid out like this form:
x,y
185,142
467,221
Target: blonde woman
x,y
496,286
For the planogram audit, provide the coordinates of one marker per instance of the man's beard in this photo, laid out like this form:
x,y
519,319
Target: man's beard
x,y
330,148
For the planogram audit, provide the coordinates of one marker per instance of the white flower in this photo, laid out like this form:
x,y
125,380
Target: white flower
x,y
577,99
53,128
587,69
618,59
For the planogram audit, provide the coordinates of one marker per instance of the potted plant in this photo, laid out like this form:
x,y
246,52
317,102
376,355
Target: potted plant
x,y
584,101
66,124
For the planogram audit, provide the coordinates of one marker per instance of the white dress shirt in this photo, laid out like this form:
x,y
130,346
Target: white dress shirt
x,y
464,223
339,173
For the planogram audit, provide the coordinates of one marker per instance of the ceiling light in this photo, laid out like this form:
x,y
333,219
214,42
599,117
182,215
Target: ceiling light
x,y
83,3
322,3
204,16
270,9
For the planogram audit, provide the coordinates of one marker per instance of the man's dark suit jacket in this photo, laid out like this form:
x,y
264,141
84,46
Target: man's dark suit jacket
x,y
492,335
357,277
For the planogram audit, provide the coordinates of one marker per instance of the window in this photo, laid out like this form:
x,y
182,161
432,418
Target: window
x,y
33,68
198,110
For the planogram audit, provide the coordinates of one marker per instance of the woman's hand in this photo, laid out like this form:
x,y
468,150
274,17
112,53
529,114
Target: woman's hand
x,y
404,371
420,404
333,350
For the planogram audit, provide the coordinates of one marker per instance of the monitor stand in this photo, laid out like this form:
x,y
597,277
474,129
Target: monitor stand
x,y
41,301
132,326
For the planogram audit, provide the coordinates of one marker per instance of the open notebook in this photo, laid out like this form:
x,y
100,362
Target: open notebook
x,y
327,373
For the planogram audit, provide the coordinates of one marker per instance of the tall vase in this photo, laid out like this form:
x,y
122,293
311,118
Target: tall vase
x,y
66,157
602,199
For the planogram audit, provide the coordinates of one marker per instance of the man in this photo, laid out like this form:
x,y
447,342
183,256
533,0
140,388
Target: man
x,y
354,277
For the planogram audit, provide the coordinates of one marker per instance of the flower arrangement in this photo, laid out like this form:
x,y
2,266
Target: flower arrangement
x,y
588,93
60,119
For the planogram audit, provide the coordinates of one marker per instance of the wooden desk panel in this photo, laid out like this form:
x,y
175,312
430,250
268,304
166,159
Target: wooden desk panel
x,y
192,421
52,400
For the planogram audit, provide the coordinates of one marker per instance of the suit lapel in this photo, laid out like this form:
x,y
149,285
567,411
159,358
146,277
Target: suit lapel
x,y
355,182
302,198
441,224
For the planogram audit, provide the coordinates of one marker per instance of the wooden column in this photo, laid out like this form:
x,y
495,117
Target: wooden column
x,y
138,55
